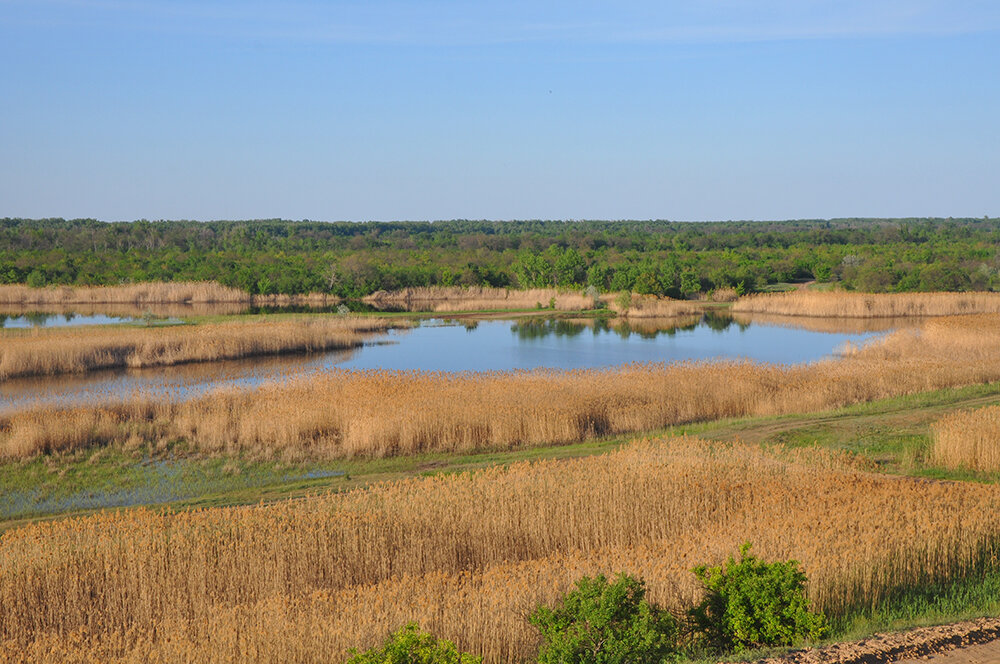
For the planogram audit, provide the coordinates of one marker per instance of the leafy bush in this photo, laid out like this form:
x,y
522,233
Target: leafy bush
x,y
410,645
751,604
606,623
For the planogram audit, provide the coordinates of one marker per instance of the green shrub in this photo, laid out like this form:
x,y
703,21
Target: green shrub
x,y
606,623
752,604
409,645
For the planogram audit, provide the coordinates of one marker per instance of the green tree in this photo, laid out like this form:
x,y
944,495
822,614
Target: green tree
x,y
750,604
606,623
410,645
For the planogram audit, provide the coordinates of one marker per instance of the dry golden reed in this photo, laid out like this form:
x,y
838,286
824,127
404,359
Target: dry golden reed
x,y
968,439
339,413
830,324
651,306
143,293
67,350
479,298
868,305
470,555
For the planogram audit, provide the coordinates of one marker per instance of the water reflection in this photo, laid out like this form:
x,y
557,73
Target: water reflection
x,y
159,383
469,344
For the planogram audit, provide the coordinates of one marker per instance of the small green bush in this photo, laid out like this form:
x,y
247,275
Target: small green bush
x,y
753,604
606,623
410,645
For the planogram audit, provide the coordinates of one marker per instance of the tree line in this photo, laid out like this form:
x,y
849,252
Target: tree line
x,y
352,259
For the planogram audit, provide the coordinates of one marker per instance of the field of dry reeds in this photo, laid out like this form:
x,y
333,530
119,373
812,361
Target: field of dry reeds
x,y
339,413
868,305
470,555
143,295
49,351
968,439
651,306
478,298
452,299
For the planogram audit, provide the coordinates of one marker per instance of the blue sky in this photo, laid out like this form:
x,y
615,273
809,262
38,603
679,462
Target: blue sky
x,y
692,110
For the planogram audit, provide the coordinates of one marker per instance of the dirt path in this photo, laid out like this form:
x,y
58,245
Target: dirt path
x,y
988,653
971,642
903,416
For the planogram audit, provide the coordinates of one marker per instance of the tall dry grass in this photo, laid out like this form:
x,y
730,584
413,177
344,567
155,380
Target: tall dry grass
x,y
145,295
830,324
868,305
968,439
128,309
338,413
470,555
66,350
479,298
633,305
451,299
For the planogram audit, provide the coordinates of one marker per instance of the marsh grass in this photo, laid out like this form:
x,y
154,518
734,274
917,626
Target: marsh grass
x,y
468,556
73,350
868,305
968,440
337,413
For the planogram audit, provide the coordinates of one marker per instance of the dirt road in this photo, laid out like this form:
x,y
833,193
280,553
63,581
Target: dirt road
x,y
971,642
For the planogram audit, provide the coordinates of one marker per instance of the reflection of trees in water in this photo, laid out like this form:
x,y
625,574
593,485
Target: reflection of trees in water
x,y
720,321
538,328
37,318
645,328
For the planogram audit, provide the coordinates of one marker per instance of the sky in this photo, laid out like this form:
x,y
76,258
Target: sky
x,y
372,110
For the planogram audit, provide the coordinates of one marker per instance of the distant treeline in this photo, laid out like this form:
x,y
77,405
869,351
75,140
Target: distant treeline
x,y
656,257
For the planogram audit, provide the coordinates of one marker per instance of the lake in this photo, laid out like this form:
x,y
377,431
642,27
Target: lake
x,y
462,345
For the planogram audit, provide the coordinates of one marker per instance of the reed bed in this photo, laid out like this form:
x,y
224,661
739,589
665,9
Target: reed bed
x,y
968,440
128,309
470,555
478,298
73,350
651,326
832,325
451,299
144,293
651,306
868,305
338,413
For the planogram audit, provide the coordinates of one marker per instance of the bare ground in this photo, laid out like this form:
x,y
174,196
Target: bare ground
x,y
971,642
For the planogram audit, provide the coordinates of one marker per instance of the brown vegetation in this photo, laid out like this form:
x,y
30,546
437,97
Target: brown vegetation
x,y
969,439
479,298
632,305
468,556
339,413
867,305
65,350
830,325
145,294
452,299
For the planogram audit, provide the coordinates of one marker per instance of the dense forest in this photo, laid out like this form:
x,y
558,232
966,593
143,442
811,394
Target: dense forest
x,y
354,259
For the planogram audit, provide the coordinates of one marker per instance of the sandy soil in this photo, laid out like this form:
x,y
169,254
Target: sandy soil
x,y
972,642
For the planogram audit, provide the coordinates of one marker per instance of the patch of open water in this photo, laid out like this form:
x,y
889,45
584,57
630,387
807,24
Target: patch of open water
x,y
463,345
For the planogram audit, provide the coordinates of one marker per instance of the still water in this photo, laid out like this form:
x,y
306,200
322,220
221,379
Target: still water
x,y
45,319
468,345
